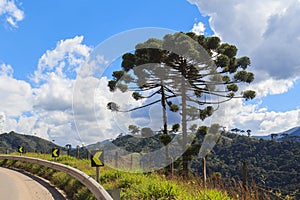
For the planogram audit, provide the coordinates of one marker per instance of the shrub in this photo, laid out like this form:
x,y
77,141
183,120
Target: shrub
x,y
61,179
83,193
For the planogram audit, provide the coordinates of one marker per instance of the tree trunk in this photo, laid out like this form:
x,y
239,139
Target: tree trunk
x,y
204,171
165,124
184,128
163,104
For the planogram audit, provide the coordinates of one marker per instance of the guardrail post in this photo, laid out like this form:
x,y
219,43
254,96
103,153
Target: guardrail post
x,y
98,174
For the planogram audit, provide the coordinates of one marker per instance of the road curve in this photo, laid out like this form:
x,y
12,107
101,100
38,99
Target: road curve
x,y
18,186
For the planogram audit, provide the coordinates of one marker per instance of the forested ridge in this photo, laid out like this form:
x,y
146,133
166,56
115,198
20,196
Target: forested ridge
x,y
271,164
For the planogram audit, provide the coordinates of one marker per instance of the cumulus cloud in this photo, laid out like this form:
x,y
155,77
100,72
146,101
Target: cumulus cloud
x,y
55,94
65,58
93,119
55,79
15,95
89,115
51,108
6,70
2,122
278,52
241,22
268,32
198,28
44,109
261,121
272,86
238,113
10,11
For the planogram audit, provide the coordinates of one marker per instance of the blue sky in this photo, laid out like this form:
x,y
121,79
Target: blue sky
x,y
44,43
47,22
283,102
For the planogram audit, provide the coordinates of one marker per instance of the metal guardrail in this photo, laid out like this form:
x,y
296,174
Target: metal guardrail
x,y
99,192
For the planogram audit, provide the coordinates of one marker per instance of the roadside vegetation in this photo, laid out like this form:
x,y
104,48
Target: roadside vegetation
x,y
132,185
140,186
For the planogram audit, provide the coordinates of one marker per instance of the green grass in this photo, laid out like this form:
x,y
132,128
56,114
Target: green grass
x,y
133,185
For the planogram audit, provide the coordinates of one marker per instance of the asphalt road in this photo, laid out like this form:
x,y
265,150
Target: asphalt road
x,y
18,186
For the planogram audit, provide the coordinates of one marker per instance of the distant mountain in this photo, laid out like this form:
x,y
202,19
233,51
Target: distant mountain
x,y
129,143
98,145
291,134
295,131
9,142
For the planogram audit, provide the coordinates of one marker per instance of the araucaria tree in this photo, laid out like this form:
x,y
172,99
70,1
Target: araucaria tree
x,y
189,73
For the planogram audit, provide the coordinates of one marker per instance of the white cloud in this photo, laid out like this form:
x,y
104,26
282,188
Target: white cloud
x,y
55,76
261,121
11,12
198,28
240,22
6,70
46,109
93,67
268,32
15,95
278,52
70,52
2,122
93,119
271,86
55,94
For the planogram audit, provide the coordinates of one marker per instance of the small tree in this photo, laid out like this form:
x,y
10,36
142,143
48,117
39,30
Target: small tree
x,y
248,132
274,136
147,132
133,129
236,130
68,147
175,127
